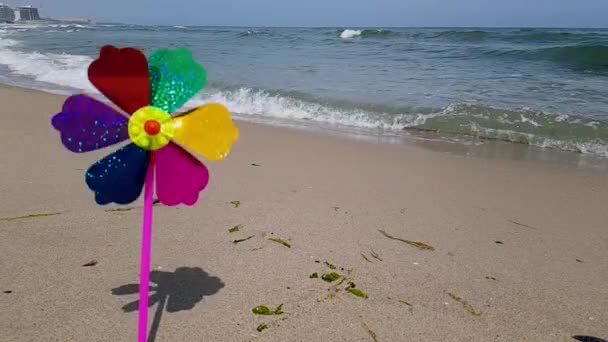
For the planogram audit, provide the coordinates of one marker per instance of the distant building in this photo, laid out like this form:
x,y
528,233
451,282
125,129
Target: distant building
x,y
7,14
10,14
27,13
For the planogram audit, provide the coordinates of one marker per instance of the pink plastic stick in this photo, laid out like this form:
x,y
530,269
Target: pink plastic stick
x,y
146,246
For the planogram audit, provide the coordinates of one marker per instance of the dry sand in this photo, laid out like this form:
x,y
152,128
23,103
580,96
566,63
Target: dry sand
x,y
328,197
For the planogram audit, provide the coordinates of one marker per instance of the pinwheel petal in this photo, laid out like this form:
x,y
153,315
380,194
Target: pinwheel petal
x,y
120,176
179,176
207,130
122,76
175,78
87,124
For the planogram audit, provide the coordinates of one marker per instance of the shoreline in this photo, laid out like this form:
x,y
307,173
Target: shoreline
x,y
519,248
459,145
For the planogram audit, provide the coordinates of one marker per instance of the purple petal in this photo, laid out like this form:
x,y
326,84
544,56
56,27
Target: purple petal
x,y
87,124
179,176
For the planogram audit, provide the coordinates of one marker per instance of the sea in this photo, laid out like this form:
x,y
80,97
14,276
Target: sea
x,y
541,87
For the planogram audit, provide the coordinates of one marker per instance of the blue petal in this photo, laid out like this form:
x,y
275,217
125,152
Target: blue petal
x,y
120,176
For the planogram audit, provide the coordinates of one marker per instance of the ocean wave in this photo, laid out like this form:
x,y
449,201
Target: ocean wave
x,y
366,33
255,102
578,56
593,56
483,122
523,126
475,36
522,36
59,69
252,33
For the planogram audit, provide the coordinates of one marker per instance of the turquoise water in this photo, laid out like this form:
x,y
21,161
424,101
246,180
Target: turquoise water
x,y
544,87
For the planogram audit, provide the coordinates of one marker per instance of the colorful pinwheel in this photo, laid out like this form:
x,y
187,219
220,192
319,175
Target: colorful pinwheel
x,y
147,90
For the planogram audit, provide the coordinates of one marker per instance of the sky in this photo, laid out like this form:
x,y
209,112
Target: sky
x,y
335,13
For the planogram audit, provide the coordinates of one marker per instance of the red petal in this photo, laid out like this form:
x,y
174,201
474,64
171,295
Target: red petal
x,y
122,76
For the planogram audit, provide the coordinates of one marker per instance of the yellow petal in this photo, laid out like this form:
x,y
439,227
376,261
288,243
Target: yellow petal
x,y
207,130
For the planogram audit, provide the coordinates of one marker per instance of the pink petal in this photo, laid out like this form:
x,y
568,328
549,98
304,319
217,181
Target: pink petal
x,y
179,176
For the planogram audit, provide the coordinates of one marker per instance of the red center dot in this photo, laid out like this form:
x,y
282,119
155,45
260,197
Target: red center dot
x,y
152,127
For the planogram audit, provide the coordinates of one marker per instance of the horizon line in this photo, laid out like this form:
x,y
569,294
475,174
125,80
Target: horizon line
x,y
362,26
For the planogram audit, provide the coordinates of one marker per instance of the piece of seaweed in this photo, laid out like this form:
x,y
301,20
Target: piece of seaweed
x,y
264,310
282,242
357,292
465,304
236,204
114,210
28,216
261,327
420,245
410,305
331,277
364,257
235,228
522,224
90,263
241,240
375,255
331,266
314,275
370,332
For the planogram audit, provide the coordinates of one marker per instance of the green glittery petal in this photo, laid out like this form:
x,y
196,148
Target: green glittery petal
x,y
175,78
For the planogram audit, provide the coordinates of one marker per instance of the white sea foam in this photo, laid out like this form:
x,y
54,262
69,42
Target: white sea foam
x,y
530,121
60,69
347,34
254,104
250,102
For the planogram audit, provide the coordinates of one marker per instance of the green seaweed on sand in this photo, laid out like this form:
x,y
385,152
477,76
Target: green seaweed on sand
x,y
235,228
371,333
261,327
522,224
236,204
241,240
90,263
375,255
357,292
264,310
465,304
341,281
282,242
330,296
28,216
365,257
114,210
331,266
410,305
314,275
419,245
331,277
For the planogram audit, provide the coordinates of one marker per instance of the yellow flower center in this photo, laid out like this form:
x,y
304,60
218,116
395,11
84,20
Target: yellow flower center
x,y
151,128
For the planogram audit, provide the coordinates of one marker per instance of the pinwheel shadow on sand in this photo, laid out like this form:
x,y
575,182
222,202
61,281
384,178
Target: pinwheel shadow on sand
x,y
173,292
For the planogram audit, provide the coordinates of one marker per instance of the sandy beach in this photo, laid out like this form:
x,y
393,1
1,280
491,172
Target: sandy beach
x,y
500,249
